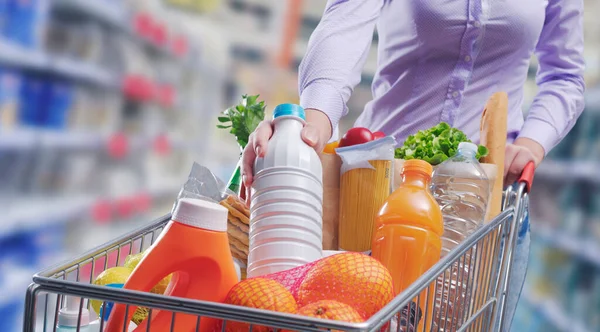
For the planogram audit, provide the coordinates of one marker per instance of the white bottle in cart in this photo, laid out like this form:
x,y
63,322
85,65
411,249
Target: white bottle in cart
x,y
69,318
286,207
462,189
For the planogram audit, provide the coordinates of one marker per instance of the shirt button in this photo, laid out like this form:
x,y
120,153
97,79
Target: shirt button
x,y
468,58
477,24
455,94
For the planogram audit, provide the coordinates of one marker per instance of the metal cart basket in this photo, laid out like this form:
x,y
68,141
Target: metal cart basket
x,y
468,286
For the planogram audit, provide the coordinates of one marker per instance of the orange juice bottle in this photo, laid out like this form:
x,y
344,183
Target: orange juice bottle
x,y
408,230
194,248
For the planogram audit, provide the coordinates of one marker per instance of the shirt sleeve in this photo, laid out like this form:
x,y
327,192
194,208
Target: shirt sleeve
x,y
337,51
560,98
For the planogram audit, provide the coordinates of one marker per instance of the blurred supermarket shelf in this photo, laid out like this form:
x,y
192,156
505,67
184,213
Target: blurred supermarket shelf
x,y
586,249
24,139
569,170
32,212
112,15
21,139
27,213
14,55
108,12
551,310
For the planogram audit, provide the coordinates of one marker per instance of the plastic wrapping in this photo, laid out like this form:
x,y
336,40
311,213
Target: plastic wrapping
x,y
365,182
203,184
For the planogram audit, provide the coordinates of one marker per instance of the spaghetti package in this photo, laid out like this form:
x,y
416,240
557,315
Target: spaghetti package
x,y
365,182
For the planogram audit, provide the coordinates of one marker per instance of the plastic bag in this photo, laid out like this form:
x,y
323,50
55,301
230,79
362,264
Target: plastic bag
x,y
203,184
365,182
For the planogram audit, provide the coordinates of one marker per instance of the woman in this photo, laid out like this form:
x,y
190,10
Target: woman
x,y
439,60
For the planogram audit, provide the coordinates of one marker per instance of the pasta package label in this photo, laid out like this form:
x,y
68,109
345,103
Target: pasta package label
x,y
358,156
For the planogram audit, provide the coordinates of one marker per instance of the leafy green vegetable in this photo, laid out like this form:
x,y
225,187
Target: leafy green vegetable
x,y
435,144
243,119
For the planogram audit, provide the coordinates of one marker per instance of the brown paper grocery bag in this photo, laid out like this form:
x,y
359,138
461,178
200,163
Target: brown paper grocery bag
x,y
331,199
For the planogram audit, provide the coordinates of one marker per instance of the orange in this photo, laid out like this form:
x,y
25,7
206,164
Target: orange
x,y
259,293
332,310
355,279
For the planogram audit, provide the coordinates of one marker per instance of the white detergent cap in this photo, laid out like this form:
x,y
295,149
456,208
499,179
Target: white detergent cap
x,y
201,214
69,316
468,147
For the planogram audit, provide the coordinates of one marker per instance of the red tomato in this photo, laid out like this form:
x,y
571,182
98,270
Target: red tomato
x,y
355,136
378,135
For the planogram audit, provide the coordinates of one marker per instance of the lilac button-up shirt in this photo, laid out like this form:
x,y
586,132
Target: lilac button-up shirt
x,y
440,60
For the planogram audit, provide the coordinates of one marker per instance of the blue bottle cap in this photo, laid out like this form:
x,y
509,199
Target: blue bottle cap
x,y
289,110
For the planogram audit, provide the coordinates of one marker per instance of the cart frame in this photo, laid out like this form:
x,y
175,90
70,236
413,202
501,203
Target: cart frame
x,y
482,308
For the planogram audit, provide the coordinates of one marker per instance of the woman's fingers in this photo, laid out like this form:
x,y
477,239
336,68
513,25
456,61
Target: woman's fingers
x,y
517,157
256,147
311,136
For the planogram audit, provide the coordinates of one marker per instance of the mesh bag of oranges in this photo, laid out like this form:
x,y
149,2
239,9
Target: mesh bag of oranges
x,y
349,287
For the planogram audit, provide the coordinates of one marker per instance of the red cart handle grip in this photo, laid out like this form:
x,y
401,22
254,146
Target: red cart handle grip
x,y
527,175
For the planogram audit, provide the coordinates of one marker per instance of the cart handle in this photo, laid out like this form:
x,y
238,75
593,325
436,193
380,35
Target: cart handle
x,y
527,176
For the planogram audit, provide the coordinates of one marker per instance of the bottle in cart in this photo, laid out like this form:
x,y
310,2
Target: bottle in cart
x,y
408,230
194,247
461,188
286,204
74,316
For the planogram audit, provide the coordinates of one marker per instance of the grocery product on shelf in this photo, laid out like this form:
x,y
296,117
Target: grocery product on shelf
x,y
461,188
10,83
408,230
24,21
365,183
194,247
286,199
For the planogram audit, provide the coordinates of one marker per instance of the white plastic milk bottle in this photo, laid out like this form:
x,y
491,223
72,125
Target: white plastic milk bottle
x,y
286,206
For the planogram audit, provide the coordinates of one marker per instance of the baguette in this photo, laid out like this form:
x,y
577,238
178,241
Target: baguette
x,y
493,136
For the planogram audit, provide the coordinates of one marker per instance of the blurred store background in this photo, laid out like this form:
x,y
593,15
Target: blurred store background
x,y
105,104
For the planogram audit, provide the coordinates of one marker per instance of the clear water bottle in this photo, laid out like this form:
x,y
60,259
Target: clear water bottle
x,y
286,206
462,189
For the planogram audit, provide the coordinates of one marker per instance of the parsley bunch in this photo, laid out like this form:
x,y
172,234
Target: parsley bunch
x,y
243,119
435,144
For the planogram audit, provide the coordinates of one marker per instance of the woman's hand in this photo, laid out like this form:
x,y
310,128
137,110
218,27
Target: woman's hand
x,y
316,133
518,155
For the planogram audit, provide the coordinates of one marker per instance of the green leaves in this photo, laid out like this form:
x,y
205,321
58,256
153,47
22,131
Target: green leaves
x,y
435,144
243,118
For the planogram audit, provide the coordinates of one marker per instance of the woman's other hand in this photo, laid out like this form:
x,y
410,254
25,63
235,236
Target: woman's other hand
x,y
316,133
518,155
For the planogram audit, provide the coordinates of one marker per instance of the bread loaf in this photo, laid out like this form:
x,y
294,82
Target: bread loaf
x,y
493,136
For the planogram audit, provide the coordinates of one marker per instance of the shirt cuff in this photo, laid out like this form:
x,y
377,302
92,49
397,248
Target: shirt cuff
x,y
540,131
325,98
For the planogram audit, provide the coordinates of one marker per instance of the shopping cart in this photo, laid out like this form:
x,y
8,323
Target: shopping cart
x,y
487,253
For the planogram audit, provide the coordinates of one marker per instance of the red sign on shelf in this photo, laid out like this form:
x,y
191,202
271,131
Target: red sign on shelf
x,y
162,145
118,146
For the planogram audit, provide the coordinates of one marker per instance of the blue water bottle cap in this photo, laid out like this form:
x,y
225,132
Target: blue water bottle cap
x,y
289,110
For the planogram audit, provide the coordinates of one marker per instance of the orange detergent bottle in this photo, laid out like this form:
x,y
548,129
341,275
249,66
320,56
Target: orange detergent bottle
x,y
193,247
408,230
